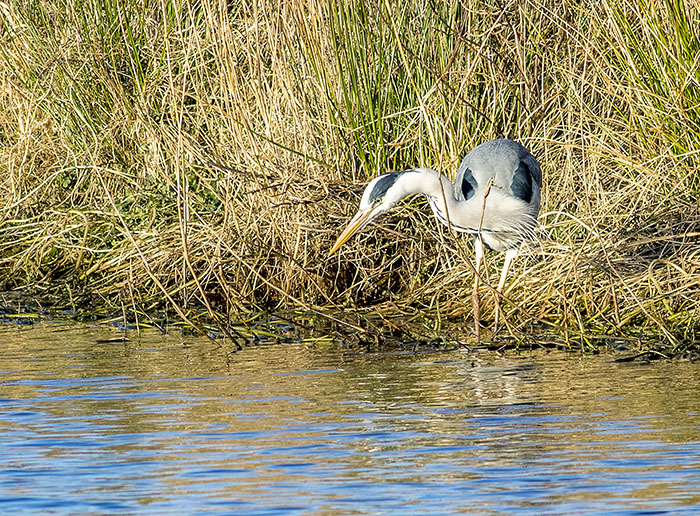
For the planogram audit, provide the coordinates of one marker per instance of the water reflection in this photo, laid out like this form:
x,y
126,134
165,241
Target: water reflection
x,y
167,424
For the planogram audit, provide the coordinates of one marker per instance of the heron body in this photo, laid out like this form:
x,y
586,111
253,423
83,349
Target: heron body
x,y
495,197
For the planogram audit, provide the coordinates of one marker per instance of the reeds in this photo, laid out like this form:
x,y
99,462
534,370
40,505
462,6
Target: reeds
x,y
204,155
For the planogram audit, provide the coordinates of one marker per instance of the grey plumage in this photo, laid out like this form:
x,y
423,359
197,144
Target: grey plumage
x,y
516,174
498,159
495,197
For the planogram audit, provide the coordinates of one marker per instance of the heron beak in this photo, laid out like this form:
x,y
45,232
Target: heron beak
x,y
359,221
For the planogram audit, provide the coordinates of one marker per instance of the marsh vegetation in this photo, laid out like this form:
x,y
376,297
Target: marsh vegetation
x,y
203,156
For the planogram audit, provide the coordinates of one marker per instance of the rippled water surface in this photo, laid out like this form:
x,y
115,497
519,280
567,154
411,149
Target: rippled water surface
x,y
169,425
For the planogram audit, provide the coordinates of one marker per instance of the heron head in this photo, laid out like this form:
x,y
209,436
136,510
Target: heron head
x,y
380,195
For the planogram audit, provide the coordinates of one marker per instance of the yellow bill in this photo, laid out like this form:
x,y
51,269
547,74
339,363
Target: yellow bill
x,y
359,221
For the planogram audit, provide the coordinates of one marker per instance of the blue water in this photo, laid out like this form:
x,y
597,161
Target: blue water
x,y
173,425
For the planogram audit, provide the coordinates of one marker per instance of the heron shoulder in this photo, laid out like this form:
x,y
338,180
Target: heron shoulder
x,y
507,163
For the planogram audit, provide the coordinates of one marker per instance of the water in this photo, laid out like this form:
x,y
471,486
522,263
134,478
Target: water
x,y
168,425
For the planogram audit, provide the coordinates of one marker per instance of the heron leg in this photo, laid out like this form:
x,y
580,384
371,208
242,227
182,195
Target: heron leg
x,y
479,252
510,255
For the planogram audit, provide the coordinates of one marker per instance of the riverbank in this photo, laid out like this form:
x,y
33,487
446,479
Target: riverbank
x,y
202,159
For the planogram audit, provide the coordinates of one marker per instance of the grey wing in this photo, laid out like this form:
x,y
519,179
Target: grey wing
x,y
509,164
503,160
511,160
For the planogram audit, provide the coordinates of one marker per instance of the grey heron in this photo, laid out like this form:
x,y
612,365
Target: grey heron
x,y
495,198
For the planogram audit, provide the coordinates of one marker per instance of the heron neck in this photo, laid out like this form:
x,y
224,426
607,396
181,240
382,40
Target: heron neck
x,y
438,189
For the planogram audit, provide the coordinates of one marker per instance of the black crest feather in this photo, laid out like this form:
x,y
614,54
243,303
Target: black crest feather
x,y
383,184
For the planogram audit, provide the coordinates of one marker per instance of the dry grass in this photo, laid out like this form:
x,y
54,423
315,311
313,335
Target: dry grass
x,y
205,155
